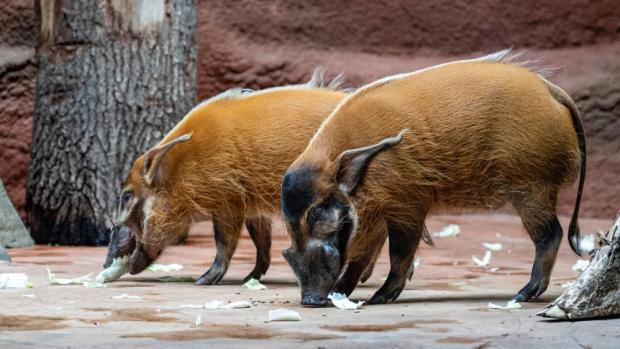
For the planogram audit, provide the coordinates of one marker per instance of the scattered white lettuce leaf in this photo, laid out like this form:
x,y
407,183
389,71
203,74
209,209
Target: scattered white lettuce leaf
x,y
485,260
29,296
216,304
284,315
119,267
94,284
581,265
494,269
237,305
341,301
166,268
192,306
586,244
416,263
254,284
510,305
198,321
126,296
492,246
66,281
450,230
14,280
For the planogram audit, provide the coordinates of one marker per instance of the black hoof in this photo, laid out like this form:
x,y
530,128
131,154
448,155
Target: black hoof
x,y
531,291
256,273
212,276
386,294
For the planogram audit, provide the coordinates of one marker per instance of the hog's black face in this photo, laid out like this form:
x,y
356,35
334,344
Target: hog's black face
x,y
320,225
317,268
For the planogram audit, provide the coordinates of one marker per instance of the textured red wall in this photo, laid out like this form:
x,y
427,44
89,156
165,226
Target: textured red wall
x,y
257,44
17,83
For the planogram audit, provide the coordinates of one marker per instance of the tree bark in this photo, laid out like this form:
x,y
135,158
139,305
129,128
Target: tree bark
x,y
596,292
114,76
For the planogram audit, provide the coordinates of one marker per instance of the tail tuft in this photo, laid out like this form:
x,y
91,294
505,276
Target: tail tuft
x,y
574,236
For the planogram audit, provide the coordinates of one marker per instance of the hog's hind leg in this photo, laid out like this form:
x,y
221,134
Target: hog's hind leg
x,y
403,242
260,232
543,226
227,232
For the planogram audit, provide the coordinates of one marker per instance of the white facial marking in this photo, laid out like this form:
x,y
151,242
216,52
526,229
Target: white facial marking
x,y
148,211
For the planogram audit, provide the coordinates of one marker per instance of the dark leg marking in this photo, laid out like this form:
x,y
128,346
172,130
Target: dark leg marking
x,y
260,232
547,238
347,282
226,239
403,244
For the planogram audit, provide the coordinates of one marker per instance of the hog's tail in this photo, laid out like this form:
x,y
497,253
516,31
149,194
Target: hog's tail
x,y
564,99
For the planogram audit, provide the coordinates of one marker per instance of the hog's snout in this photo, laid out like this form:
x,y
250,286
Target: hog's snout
x,y
122,243
313,300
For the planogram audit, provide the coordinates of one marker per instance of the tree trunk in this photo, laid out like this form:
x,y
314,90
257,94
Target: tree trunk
x,y
114,76
596,292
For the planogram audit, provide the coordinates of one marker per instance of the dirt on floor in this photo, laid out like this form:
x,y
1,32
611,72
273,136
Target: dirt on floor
x,y
444,306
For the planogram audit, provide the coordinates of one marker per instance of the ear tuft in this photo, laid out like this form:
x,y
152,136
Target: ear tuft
x,y
153,158
353,162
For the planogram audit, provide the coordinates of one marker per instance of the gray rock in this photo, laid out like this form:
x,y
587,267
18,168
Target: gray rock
x,y
13,233
4,256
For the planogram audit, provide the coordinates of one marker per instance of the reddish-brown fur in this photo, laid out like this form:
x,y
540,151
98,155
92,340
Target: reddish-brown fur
x,y
481,134
227,165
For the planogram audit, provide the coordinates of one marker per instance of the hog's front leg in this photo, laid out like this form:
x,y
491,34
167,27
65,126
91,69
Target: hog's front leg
x,y
227,230
403,242
363,250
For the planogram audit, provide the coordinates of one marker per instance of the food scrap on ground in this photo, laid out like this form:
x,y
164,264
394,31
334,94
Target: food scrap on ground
x,y
254,284
581,265
283,315
586,244
119,267
450,230
198,321
485,260
492,246
94,284
341,301
14,280
416,263
166,268
510,305
68,281
216,304
126,296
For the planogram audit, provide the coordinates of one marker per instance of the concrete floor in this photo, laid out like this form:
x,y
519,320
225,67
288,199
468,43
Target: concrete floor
x,y
444,306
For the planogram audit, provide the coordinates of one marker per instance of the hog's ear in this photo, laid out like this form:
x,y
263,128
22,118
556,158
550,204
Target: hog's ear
x,y
353,162
154,157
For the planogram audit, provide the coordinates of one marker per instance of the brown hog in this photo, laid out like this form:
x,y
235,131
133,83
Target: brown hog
x,y
223,161
473,134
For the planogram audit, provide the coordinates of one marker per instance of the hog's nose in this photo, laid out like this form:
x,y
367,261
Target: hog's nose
x,y
313,300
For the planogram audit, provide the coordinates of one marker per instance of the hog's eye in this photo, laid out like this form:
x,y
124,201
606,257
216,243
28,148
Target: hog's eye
x,y
125,197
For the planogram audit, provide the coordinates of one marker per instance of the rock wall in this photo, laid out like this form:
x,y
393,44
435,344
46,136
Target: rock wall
x,y
17,85
256,45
